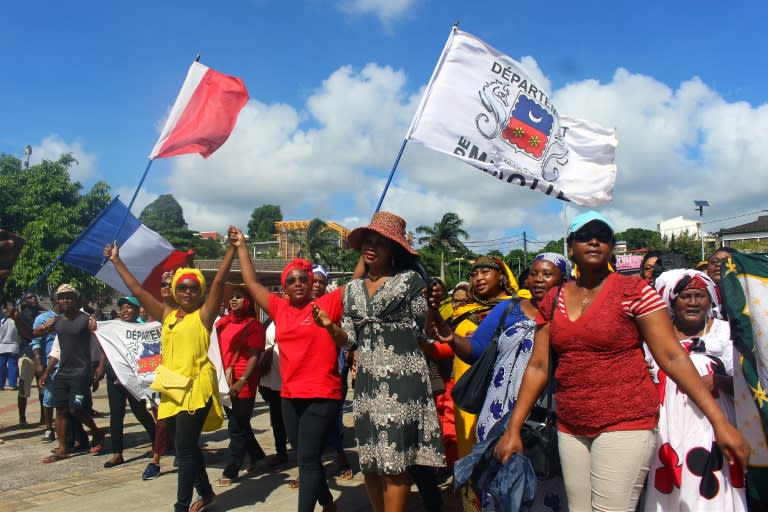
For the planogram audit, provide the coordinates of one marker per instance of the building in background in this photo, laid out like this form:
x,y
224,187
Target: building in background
x,y
749,237
677,226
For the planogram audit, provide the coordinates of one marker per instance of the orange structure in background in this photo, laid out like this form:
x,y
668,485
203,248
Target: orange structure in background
x,y
291,232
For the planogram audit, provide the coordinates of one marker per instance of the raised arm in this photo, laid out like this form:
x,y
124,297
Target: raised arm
x,y
259,294
656,328
153,307
212,303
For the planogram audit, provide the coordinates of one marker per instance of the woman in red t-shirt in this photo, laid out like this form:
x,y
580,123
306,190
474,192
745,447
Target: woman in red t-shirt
x,y
607,406
311,384
241,339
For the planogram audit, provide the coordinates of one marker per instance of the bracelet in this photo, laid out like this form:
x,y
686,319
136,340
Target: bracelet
x,y
243,379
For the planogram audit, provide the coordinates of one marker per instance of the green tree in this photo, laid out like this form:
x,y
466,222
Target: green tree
x,y
320,242
163,214
444,237
686,244
518,261
185,239
42,204
554,246
261,227
638,238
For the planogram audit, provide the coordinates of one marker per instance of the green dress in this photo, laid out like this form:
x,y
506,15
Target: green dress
x,y
396,423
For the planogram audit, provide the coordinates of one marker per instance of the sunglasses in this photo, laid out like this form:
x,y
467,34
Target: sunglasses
x,y
184,288
165,284
602,236
302,278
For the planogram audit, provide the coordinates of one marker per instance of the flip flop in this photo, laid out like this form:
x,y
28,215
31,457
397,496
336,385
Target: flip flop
x,y
345,473
97,445
223,482
55,457
294,484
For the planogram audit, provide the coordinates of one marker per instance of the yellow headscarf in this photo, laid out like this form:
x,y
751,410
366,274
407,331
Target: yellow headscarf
x,y
188,273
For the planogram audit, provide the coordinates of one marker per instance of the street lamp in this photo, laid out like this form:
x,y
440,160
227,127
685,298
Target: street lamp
x,y
27,153
459,259
700,207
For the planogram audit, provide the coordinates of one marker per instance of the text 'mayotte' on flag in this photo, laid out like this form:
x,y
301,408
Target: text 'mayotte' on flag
x,y
146,253
204,114
483,108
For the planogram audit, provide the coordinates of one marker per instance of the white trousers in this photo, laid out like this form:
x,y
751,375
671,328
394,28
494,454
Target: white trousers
x,y
605,473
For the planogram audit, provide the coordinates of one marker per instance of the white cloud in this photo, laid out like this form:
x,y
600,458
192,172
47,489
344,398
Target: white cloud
x,y
330,158
386,10
53,146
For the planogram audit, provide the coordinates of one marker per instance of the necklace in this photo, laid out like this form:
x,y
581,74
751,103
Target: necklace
x,y
588,294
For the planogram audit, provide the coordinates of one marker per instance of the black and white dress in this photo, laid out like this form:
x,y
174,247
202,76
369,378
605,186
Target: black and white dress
x,y
395,418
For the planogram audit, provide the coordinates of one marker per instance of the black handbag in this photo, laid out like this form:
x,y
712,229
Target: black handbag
x,y
539,432
470,390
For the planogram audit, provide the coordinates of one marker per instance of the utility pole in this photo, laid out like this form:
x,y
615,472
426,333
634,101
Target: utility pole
x,y
525,249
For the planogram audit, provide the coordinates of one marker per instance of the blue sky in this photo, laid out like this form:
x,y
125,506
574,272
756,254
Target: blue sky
x,y
334,85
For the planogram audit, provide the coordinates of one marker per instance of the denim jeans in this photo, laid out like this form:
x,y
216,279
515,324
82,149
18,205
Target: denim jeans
x,y
9,369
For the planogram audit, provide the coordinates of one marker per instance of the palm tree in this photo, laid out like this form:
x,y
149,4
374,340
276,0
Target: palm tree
x,y
320,242
444,236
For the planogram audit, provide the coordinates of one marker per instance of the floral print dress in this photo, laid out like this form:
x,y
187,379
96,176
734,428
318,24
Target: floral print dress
x,y
396,423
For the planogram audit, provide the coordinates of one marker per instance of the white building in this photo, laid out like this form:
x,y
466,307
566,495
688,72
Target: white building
x,y
677,226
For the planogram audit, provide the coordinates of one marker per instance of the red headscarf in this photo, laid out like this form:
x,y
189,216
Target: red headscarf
x,y
246,313
297,264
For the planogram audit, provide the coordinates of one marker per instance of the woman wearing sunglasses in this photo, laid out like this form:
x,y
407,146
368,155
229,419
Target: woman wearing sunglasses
x,y
607,405
311,384
185,338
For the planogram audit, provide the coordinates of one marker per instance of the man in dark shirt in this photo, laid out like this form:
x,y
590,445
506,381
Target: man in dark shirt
x,y
75,376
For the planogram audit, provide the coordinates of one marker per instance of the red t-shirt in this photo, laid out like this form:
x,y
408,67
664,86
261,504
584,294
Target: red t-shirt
x,y
235,343
603,383
308,355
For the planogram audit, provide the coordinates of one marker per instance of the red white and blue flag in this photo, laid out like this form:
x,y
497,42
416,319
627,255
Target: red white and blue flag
x,y
204,114
146,254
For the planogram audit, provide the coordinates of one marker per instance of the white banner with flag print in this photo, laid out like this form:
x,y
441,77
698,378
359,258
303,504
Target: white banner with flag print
x,y
483,108
133,351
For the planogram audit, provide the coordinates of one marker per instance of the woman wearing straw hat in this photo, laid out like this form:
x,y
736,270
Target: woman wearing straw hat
x,y
396,423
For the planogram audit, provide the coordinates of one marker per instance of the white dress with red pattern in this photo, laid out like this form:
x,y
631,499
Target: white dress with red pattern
x,y
688,472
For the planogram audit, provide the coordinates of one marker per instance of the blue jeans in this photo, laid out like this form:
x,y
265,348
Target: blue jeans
x,y
9,369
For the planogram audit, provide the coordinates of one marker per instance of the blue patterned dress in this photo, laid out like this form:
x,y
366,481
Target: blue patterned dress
x,y
514,351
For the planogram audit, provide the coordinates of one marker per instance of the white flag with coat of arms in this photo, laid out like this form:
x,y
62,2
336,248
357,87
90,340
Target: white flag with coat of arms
x,y
483,108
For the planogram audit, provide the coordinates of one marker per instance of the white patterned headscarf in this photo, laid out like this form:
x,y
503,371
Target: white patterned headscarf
x,y
559,261
667,284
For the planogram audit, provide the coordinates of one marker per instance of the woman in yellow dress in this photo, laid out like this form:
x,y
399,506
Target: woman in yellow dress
x,y
185,338
491,281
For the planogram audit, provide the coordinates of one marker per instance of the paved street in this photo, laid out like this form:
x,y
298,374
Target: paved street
x,y
81,484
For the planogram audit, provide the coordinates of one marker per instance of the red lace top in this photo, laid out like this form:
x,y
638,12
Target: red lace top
x,y
603,383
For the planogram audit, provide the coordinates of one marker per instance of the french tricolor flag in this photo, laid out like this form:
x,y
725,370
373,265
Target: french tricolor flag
x,y
203,115
146,254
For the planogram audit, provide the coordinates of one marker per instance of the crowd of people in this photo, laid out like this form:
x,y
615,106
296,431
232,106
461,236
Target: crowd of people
x,y
642,371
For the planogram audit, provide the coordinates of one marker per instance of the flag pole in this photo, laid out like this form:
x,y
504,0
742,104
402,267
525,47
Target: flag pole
x,y
130,204
391,174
